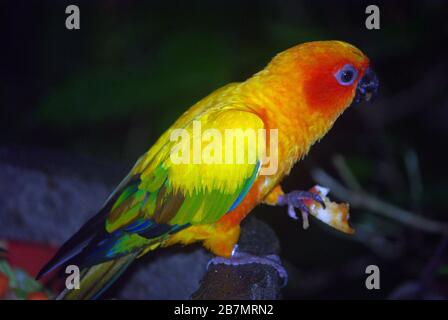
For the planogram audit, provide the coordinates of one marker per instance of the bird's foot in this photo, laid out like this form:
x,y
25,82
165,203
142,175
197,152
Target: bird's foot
x,y
242,258
300,200
317,203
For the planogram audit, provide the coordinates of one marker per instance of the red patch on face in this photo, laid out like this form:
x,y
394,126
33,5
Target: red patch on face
x,y
323,92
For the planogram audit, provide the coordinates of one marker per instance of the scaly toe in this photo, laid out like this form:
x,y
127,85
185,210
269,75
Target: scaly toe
x,y
299,196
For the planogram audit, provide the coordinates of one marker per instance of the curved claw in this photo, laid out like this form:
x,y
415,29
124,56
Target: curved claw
x,y
295,199
305,212
302,207
304,195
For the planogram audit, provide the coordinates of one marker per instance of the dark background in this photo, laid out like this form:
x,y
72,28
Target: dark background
x,y
108,90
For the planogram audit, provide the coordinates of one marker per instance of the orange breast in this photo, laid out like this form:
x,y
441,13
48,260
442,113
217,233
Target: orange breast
x,y
234,217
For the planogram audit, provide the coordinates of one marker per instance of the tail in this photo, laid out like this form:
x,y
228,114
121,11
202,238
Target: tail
x,y
98,278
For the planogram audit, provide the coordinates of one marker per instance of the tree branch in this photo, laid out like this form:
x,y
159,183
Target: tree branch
x,y
361,199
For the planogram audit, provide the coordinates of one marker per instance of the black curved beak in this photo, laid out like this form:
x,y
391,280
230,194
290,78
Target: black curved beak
x,y
367,88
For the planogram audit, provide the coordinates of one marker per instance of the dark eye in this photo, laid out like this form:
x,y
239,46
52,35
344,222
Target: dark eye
x,y
346,75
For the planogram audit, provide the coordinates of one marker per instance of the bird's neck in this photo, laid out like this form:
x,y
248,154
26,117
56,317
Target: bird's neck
x,y
282,107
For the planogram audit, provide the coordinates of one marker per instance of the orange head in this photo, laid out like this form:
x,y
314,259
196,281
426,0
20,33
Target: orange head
x,y
324,77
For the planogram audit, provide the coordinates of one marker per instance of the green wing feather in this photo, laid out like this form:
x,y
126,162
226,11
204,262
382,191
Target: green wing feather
x,y
155,200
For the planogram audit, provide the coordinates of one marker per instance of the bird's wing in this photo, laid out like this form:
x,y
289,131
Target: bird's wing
x,y
160,196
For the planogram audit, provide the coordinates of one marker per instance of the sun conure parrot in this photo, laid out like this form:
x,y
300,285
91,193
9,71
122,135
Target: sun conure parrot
x,y
301,92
